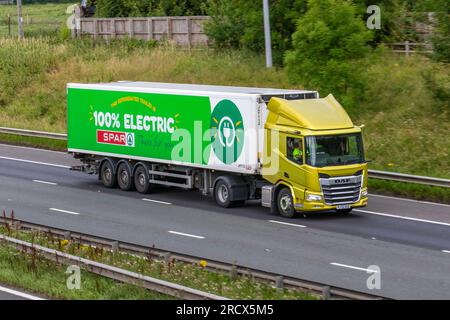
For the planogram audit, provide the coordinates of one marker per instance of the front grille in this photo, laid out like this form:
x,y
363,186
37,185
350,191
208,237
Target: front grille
x,y
341,190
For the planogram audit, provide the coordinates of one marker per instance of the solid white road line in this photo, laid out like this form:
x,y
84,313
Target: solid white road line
x,y
287,224
63,211
352,267
45,182
186,235
36,162
446,251
19,294
401,217
156,201
410,200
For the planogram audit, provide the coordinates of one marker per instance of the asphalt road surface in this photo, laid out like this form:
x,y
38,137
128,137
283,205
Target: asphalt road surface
x,y
7,293
404,242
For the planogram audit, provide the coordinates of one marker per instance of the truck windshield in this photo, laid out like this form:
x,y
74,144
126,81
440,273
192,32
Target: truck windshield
x,y
334,150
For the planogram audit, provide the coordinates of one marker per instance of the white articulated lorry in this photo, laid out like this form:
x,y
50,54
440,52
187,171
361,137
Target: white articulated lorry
x,y
289,148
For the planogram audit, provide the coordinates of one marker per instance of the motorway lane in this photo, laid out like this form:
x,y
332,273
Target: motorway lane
x,y
408,252
7,293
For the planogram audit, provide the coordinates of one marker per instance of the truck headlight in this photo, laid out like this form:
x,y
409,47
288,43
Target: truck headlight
x,y
364,193
313,197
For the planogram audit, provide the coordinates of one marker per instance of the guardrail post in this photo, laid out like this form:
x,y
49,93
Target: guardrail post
x,y
279,282
233,272
67,235
115,247
166,257
326,293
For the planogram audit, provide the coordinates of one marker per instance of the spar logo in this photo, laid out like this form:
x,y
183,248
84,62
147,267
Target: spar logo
x,y
227,131
115,138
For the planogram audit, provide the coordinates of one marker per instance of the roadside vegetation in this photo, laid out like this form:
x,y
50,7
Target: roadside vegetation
x,y
40,19
404,108
402,101
33,272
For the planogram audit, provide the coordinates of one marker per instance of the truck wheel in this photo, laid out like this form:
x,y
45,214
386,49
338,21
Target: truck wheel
x,y
222,195
141,180
285,203
107,175
124,177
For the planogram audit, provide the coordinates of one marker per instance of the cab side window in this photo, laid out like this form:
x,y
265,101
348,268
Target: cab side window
x,y
294,150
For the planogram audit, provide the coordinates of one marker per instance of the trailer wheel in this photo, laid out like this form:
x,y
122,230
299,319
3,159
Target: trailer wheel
x,y
124,177
141,180
285,203
107,175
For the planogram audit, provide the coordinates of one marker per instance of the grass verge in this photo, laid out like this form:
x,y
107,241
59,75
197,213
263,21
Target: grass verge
x,y
41,143
410,190
18,268
47,278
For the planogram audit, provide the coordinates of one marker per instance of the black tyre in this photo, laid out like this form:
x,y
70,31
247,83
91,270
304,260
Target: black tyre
x,y
124,177
141,180
222,194
285,203
107,175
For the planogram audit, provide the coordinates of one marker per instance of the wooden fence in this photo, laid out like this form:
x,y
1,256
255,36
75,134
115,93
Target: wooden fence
x,y
183,31
409,48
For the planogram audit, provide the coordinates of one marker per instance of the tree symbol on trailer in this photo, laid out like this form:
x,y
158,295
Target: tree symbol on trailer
x,y
227,131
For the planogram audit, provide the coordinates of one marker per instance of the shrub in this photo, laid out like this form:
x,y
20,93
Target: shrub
x,y
329,54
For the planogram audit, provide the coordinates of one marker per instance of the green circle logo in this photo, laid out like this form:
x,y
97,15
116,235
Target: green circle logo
x,y
227,131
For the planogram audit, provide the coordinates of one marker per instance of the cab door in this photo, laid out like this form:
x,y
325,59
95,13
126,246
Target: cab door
x,y
292,161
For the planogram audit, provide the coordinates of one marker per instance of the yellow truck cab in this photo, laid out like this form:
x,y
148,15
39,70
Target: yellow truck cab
x,y
313,158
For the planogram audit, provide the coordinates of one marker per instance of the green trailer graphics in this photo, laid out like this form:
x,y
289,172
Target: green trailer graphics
x,y
198,130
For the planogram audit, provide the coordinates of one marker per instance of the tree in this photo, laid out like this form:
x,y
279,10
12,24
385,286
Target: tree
x,y
329,48
238,24
134,8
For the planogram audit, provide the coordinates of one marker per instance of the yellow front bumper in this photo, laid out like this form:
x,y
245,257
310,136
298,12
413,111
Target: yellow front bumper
x,y
320,206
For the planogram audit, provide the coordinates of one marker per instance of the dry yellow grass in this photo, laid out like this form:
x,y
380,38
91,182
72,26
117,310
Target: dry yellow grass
x,y
407,127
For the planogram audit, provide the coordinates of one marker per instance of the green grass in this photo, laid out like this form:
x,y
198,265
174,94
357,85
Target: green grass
x,y
47,278
406,124
39,19
191,275
409,190
42,143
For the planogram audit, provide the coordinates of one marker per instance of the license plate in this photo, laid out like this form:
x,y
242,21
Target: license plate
x,y
343,206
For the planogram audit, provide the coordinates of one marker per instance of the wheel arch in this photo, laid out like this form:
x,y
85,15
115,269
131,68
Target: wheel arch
x,y
237,185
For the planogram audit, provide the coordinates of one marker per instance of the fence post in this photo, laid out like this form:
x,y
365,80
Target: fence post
x,y
131,27
149,28
95,21
407,48
76,31
189,31
113,28
9,24
169,28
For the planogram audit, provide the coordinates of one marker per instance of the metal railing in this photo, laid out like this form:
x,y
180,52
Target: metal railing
x,y
279,281
374,174
33,133
118,274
